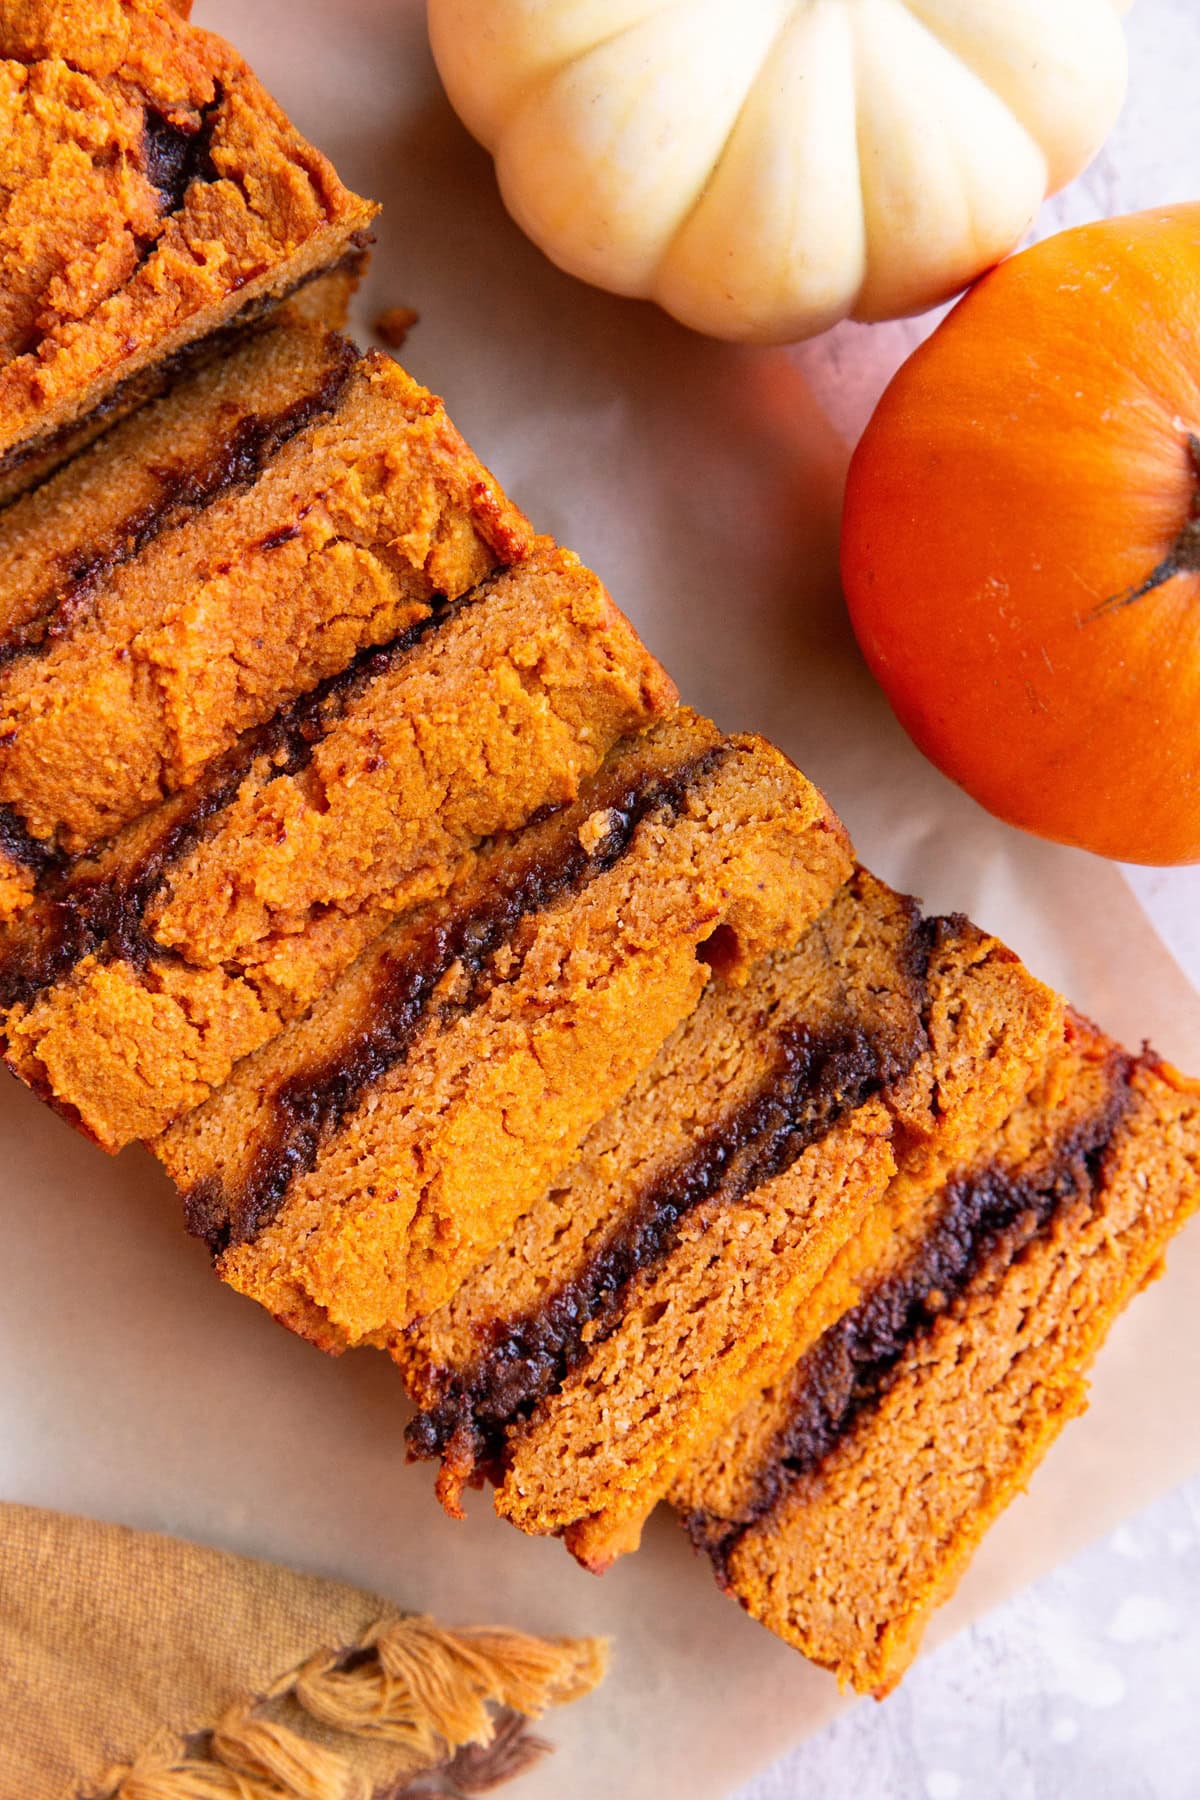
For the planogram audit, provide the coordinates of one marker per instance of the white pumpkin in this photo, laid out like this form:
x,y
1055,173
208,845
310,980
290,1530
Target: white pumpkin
x,y
763,168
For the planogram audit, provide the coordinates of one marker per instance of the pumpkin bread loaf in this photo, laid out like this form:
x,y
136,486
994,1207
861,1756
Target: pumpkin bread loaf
x,y
484,1005
133,984
652,1289
352,1173
211,558
155,200
844,1502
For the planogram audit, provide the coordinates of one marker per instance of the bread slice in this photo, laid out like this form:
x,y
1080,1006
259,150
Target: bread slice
x,y
207,562
645,1297
844,1502
133,985
353,1173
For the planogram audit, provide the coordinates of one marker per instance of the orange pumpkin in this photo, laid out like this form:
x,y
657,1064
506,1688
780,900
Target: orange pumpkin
x,y
1021,540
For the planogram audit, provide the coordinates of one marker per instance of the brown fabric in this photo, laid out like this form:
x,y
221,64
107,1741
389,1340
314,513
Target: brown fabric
x,y
147,1668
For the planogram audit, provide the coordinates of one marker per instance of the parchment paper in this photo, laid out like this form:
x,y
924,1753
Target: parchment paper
x,y
703,482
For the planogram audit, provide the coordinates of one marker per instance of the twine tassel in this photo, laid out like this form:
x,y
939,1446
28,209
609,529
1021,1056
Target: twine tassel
x,y
186,1777
426,1693
262,1751
414,1684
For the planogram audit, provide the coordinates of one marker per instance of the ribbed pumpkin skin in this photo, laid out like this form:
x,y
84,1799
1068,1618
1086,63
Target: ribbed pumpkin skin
x,y
1027,473
763,168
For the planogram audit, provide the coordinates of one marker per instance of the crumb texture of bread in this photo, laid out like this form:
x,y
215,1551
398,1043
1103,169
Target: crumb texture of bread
x,y
844,1502
211,559
132,988
391,1138
645,1298
153,192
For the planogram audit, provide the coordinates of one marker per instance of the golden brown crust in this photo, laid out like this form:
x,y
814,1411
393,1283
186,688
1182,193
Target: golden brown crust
x,y
152,191
851,1552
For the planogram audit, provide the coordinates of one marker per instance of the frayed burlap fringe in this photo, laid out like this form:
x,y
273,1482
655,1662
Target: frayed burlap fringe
x,y
409,1684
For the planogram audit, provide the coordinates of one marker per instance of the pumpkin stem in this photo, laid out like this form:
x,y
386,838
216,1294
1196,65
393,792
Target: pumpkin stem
x,y
1184,555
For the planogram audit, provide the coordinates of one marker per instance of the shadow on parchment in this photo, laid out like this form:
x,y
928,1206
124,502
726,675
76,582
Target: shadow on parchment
x,y
700,478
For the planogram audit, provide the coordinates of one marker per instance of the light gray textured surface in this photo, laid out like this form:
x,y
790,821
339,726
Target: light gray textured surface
x,y
1081,1688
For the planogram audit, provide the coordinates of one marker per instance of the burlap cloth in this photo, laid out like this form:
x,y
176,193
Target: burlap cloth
x,y
143,1667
